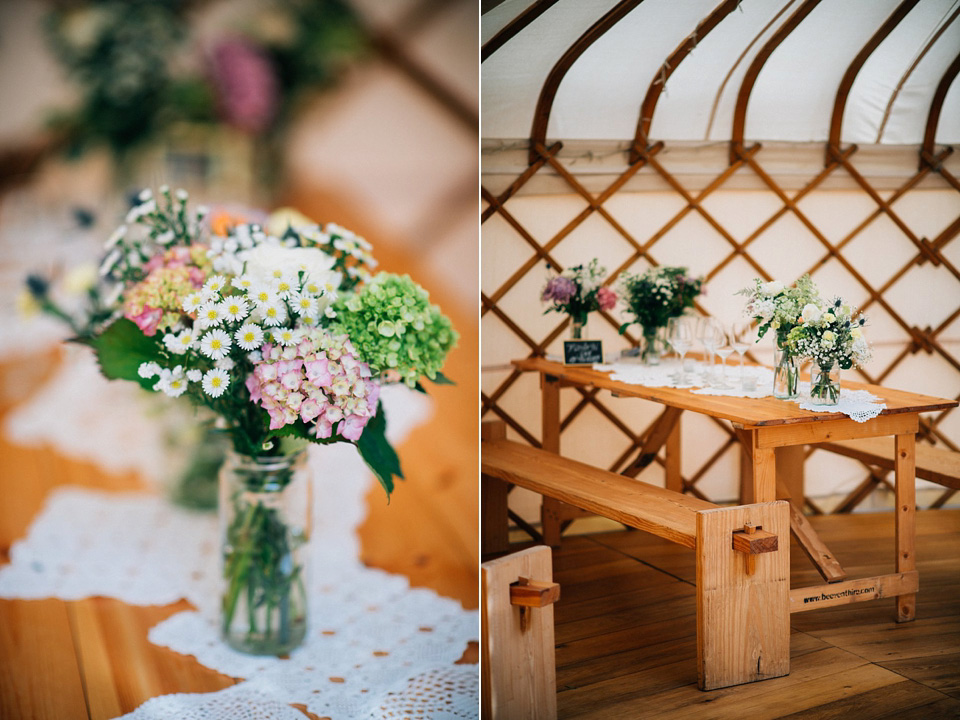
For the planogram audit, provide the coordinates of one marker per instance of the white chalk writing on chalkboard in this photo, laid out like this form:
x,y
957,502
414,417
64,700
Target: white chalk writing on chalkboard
x,y
582,352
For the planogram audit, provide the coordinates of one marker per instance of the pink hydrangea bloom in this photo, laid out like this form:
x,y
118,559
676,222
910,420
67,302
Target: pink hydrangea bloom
x,y
606,298
320,380
246,85
148,320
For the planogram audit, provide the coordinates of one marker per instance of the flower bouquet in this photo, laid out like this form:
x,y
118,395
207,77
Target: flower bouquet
x,y
654,297
287,340
778,307
578,291
833,339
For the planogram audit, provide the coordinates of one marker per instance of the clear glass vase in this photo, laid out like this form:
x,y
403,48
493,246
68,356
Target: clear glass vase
x,y
577,327
825,384
786,375
652,347
264,528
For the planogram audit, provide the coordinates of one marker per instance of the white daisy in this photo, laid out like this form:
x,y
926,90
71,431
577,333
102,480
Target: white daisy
x,y
249,336
285,285
172,382
180,343
194,375
312,287
286,336
273,314
235,308
214,284
242,282
148,370
215,344
226,364
304,305
262,296
209,315
192,302
215,382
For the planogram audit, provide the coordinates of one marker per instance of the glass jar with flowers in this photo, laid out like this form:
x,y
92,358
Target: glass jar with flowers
x,y
653,298
287,337
832,339
778,307
579,291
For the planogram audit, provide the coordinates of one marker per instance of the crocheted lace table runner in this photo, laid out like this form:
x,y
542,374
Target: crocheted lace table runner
x,y
859,405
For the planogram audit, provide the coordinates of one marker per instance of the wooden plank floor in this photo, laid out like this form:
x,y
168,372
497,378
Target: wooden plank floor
x,y
625,632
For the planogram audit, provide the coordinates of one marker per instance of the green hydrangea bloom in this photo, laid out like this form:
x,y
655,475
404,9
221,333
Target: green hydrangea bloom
x,y
393,326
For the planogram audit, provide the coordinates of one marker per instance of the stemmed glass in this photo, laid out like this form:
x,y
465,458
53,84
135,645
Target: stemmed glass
x,y
741,337
723,350
680,338
709,334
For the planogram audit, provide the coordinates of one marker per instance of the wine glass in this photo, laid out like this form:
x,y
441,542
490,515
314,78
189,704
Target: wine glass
x,y
741,337
744,334
708,333
723,349
680,338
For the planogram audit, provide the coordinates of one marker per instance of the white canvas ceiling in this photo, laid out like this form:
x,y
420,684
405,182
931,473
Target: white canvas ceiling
x,y
600,96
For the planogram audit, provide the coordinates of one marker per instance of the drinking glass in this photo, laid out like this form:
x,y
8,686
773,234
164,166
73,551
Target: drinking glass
x,y
709,333
680,337
723,349
742,335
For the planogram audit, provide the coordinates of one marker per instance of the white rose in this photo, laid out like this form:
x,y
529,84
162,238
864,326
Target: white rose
x,y
80,279
811,313
264,259
774,287
856,333
828,317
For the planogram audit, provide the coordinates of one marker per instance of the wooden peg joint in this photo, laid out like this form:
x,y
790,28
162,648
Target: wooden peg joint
x,y
752,541
526,594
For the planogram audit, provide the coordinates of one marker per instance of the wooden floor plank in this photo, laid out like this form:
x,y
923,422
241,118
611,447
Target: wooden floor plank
x,y
940,672
872,705
37,635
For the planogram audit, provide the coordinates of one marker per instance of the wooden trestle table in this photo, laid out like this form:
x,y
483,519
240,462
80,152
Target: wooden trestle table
x,y
773,434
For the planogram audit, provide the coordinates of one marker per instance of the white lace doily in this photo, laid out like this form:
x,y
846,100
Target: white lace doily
x,y
376,647
859,405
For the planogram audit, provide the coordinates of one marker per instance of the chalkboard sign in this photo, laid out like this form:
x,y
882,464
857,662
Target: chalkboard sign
x,y
582,352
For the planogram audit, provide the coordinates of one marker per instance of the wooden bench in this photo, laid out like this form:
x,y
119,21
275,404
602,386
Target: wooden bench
x,y
742,552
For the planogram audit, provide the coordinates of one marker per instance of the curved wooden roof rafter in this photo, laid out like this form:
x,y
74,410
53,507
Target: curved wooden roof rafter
x,y
843,90
933,117
514,27
541,116
659,82
753,72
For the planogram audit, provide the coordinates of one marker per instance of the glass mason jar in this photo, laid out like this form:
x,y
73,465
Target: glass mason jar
x,y
264,528
578,324
651,347
825,384
786,375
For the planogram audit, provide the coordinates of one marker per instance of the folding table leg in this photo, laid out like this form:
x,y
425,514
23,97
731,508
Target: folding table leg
x,y
906,493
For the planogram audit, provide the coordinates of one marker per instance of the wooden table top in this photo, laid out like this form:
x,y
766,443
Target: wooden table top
x,y
748,412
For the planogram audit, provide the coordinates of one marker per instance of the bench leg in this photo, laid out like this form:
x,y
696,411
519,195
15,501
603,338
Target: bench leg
x,y
743,620
518,665
494,536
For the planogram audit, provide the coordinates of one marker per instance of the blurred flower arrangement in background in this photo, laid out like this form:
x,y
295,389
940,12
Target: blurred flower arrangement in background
x,y
140,68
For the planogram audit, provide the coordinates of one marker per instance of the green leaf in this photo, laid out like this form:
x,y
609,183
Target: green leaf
x,y
623,328
377,452
441,379
122,348
420,388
